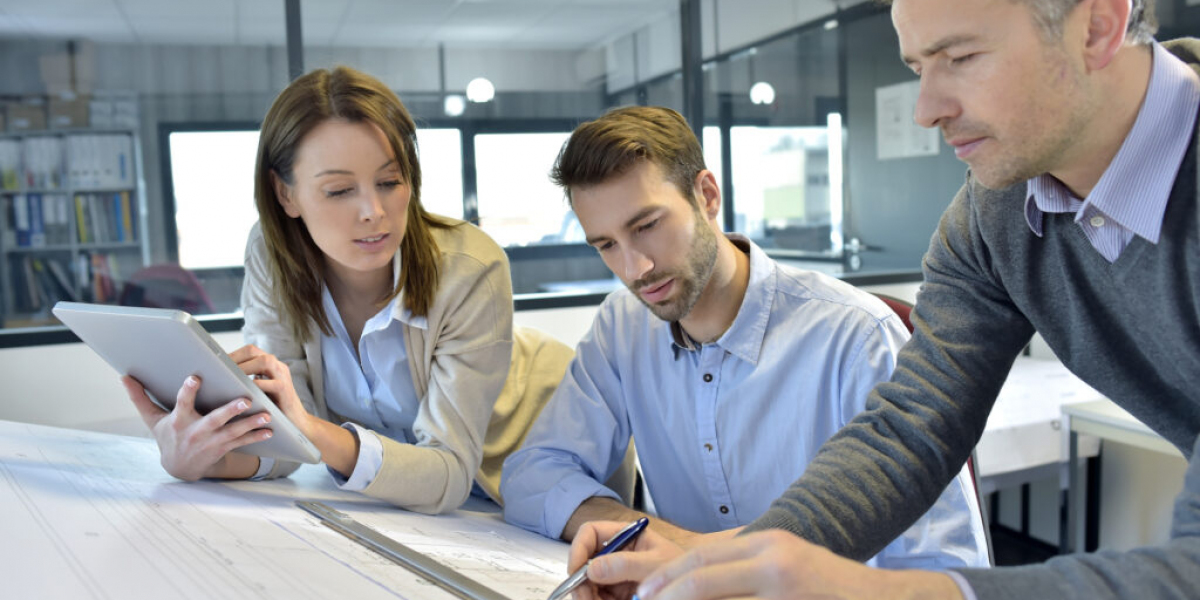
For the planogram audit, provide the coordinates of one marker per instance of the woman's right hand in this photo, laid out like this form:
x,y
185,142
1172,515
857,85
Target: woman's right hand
x,y
194,446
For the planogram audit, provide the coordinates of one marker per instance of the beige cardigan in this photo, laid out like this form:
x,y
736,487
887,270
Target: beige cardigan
x,y
480,389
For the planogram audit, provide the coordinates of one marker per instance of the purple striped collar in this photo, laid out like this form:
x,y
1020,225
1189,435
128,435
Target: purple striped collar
x,y
1135,187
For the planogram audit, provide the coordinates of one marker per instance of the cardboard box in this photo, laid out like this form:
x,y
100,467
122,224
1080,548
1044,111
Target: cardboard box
x,y
68,111
114,109
25,117
71,71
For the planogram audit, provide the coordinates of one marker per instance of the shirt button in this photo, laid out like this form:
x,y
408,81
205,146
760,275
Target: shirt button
x,y
708,378
724,509
708,447
1097,221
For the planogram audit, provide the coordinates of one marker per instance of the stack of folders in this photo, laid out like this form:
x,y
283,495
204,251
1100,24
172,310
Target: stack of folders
x,y
39,282
42,163
10,164
40,220
105,217
100,162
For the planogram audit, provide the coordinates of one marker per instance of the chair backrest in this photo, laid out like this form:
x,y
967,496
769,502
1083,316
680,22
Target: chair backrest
x,y
166,286
903,310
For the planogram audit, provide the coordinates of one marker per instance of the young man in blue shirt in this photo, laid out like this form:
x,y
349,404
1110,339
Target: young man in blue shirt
x,y
728,369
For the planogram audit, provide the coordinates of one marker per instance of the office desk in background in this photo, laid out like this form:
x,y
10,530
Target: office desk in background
x,y
1023,440
1103,420
94,516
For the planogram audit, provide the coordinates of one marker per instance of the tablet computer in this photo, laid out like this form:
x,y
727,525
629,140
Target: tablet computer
x,y
161,347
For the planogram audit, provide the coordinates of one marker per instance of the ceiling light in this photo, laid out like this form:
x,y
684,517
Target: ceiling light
x,y
762,93
480,90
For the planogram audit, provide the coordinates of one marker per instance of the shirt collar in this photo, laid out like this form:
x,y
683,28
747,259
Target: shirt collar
x,y
1133,192
744,338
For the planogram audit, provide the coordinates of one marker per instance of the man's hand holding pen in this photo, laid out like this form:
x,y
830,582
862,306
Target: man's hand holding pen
x,y
615,576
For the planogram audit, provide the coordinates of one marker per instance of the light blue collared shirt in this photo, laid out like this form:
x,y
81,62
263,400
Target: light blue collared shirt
x,y
371,387
1131,196
722,429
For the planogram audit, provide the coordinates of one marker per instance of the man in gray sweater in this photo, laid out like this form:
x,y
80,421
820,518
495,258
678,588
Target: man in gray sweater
x,y
1080,220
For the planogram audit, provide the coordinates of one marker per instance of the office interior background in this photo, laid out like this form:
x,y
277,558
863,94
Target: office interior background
x,y
130,127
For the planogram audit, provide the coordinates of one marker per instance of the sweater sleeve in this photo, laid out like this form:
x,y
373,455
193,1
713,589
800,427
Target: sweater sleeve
x,y
888,465
1170,570
468,349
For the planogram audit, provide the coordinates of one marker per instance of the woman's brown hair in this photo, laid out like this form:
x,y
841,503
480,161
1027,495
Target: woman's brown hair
x,y
297,265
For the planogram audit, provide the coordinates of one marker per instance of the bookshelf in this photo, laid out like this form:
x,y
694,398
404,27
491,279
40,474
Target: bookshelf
x,y
72,219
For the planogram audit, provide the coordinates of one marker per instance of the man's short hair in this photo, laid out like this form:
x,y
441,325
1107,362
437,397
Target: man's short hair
x,y
623,138
1051,14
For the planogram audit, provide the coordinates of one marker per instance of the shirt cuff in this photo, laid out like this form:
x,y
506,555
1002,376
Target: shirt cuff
x,y
963,586
264,468
370,460
565,497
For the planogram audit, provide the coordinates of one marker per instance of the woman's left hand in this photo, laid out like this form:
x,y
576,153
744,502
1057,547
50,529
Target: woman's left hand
x,y
274,378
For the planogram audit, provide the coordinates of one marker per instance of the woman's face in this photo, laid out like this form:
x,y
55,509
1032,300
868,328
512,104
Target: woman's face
x,y
349,191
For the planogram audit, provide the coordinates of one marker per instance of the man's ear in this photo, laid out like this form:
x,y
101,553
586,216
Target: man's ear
x,y
708,193
1105,22
283,195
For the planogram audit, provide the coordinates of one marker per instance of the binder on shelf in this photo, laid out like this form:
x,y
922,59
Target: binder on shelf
x,y
104,287
37,221
54,289
57,211
7,205
10,164
29,293
81,222
127,219
61,278
21,219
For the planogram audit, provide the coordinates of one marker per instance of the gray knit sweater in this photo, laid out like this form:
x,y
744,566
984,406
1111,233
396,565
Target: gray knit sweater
x,y
1131,329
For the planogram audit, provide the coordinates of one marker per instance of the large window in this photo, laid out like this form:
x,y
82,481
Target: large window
x,y
212,188
212,181
785,179
518,204
441,171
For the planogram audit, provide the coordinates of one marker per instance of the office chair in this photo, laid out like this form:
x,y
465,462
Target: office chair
x,y
166,286
903,310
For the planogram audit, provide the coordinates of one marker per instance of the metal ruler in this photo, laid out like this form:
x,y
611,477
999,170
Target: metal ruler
x,y
437,573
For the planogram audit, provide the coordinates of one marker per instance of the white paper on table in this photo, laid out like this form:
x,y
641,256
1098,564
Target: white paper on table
x,y
89,515
1025,427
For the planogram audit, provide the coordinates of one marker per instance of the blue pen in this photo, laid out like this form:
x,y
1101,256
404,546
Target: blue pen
x,y
616,542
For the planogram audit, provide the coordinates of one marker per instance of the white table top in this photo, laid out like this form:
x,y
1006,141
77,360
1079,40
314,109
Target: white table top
x,y
1104,419
1025,428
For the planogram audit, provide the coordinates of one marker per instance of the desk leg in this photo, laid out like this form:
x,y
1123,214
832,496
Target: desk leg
x,y
1091,512
1070,541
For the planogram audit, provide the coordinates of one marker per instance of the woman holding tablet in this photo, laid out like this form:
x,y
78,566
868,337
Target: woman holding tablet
x,y
383,332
